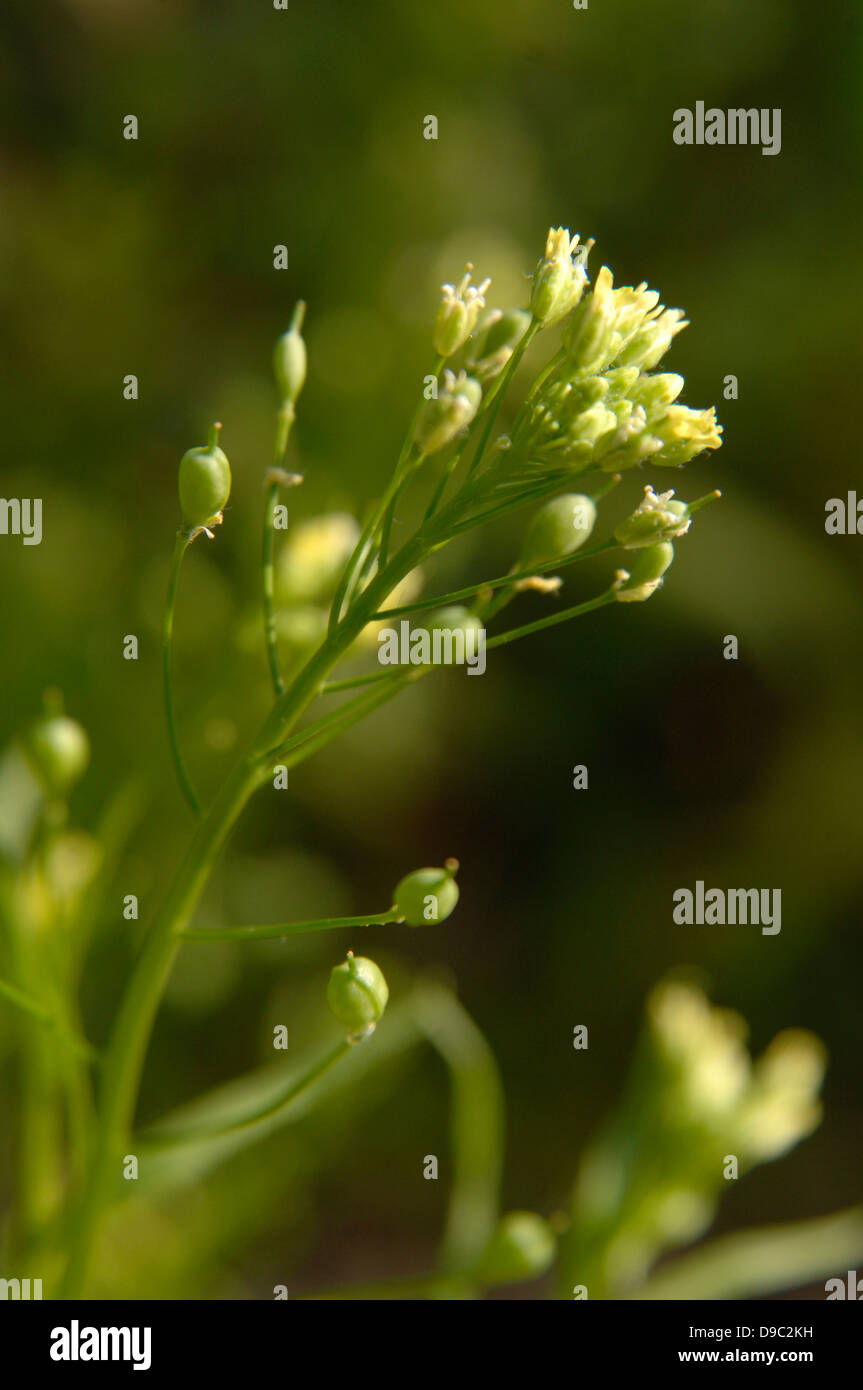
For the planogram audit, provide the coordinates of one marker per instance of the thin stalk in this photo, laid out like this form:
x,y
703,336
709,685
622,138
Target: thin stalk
x,y
500,388
343,593
354,682
575,612
24,1002
499,581
344,716
476,1127
181,545
280,929
296,1088
286,417
442,483
31,1006
352,716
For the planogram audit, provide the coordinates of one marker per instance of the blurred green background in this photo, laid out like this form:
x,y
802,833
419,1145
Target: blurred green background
x,y
155,257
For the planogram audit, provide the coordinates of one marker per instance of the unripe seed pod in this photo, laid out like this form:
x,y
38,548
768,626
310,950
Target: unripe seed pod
x,y
645,572
290,358
522,1247
59,751
357,994
427,895
204,483
558,529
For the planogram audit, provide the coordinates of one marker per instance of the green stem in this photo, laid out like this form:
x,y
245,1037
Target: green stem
x,y
31,1006
127,1049
181,545
353,713
575,612
354,682
343,717
25,1002
286,417
344,591
502,580
499,390
289,928
265,1112
476,1126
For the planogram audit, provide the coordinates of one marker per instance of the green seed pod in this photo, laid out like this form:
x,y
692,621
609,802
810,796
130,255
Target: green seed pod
x,y
357,994
290,358
427,895
205,482
558,529
521,1248
58,749
645,572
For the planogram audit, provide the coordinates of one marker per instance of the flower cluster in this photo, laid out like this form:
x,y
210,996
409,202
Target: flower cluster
x,y
603,406
697,1101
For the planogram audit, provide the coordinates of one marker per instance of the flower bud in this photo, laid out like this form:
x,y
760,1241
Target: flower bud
x,y
645,572
655,392
653,339
589,336
204,482
558,529
684,432
658,517
458,314
357,994
522,1247
427,895
450,411
593,425
58,750
630,444
622,382
289,358
560,277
